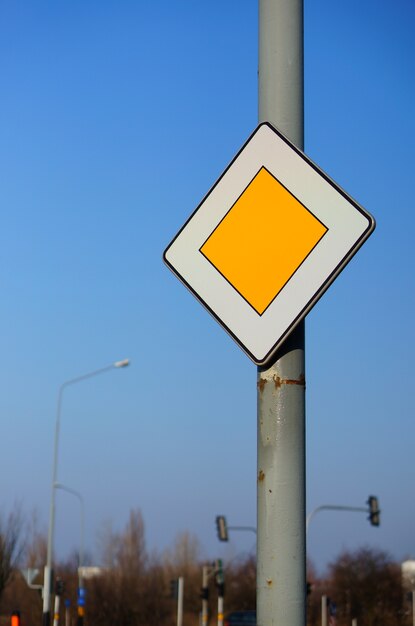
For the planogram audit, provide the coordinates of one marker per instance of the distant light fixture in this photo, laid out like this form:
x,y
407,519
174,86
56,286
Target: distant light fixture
x,y
123,363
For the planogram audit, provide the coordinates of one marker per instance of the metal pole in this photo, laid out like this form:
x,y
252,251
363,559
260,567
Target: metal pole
x,y
82,528
220,584
354,622
180,590
56,611
323,610
67,613
281,571
47,578
334,507
220,610
250,528
205,594
81,608
413,607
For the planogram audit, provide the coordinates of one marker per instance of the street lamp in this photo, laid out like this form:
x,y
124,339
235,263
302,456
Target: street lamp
x,y
47,580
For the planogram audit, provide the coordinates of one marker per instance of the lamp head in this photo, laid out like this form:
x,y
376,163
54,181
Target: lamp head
x,y
123,363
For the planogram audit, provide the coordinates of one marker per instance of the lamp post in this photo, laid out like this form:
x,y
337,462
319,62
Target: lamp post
x,y
81,599
47,580
82,527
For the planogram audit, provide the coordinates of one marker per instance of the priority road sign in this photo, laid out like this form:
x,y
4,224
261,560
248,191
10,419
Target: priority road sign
x,y
266,242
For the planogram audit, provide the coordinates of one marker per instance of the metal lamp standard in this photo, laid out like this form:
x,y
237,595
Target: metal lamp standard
x,y
82,531
47,580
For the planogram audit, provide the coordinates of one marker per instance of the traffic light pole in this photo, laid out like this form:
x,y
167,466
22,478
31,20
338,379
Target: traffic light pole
x,y
56,610
222,528
251,529
220,610
357,509
220,584
180,593
323,610
281,550
205,594
332,507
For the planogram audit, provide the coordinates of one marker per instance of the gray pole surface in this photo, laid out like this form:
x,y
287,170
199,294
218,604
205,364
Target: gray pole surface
x,y
281,550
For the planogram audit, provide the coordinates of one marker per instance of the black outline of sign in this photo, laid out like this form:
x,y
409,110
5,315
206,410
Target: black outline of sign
x,y
323,288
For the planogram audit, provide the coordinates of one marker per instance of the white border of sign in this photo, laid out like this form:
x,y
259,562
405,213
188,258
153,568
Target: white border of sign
x,y
348,224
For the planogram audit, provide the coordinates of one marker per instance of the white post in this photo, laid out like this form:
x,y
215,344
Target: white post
x,y
220,610
323,610
180,590
354,622
56,611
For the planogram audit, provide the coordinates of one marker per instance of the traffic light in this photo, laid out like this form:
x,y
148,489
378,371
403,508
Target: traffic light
x,y
81,606
59,587
220,581
374,511
204,593
222,528
15,618
174,588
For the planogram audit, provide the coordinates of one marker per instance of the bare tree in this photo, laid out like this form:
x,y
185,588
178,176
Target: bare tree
x,y
130,546
11,545
185,554
36,544
130,591
240,584
366,585
184,559
106,542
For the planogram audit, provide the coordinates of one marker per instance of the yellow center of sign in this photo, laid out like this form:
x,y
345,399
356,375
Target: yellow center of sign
x,y
262,240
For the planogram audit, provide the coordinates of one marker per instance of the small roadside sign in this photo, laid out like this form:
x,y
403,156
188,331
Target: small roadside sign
x,y
266,242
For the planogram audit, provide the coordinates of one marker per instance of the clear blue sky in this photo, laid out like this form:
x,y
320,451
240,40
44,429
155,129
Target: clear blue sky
x,y
115,120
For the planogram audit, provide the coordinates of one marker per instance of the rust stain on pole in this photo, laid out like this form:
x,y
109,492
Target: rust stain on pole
x,y
261,476
278,381
261,384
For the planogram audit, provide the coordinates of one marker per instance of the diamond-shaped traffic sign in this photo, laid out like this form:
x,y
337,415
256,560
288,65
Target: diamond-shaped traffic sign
x,y
266,241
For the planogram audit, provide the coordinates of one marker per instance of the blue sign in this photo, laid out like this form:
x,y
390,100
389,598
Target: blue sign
x,y
81,596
